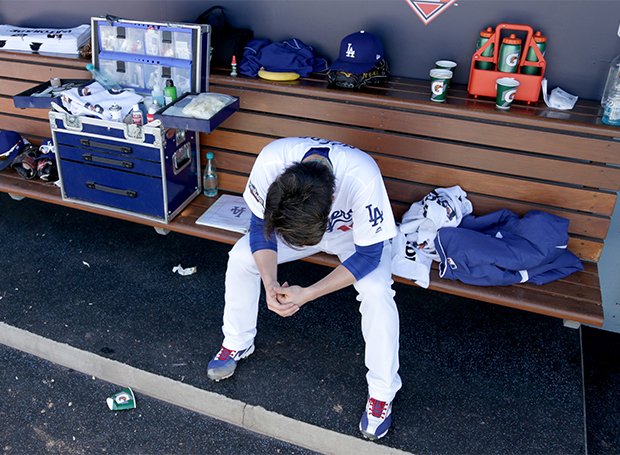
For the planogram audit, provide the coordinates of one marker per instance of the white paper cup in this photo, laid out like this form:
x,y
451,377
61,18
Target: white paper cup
x,y
446,65
506,88
440,79
122,401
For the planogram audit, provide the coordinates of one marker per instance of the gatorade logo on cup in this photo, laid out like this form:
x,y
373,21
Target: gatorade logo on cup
x,y
512,59
122,398
438,87
509,95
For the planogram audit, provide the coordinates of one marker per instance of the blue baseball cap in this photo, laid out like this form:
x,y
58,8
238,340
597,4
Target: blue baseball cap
x,y
10,145
359,52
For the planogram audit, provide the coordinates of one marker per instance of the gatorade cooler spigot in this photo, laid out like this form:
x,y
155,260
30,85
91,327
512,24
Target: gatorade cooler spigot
x,y
483,38
509,54
541,42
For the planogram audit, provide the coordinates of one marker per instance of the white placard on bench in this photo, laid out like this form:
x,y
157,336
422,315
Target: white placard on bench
x,y
228,212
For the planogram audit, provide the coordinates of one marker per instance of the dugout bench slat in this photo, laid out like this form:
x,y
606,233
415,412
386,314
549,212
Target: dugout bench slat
x,y
559,301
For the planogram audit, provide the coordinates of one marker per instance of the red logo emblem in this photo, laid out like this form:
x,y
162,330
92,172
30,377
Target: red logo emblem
x,y
428,10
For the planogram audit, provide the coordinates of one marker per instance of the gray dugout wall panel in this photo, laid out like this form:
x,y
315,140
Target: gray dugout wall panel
x,y
582,34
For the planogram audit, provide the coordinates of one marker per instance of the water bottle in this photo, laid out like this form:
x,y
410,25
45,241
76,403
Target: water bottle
x,y
104,80
485,35
209,178
611,113
612,84
509,54
158,95
541,42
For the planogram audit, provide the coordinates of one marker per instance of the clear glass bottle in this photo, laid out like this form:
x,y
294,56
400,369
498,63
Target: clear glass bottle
x,y
209,178
612,84
611,111
105,81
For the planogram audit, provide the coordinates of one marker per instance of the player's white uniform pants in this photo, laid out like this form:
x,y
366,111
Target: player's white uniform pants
x,y
380,325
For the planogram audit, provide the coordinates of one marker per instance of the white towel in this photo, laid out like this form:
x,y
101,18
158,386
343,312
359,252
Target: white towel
x,y
77,104
44,40
413,248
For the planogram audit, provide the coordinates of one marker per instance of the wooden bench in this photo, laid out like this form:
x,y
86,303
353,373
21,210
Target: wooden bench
x,y
528,158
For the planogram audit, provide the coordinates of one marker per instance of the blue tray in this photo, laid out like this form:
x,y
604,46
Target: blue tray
x,y
31,98
172,116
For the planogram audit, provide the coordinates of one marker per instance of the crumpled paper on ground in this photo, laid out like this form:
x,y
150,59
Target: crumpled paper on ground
x,y
184,272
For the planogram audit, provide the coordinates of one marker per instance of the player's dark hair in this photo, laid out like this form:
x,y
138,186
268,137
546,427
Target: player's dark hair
x,y
298,203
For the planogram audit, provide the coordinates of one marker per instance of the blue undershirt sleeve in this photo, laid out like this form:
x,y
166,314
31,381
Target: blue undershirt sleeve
x,y
364,260
258,241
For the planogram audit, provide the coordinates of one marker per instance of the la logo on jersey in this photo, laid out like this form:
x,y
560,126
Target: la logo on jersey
x,y
350,51
428,10
375,215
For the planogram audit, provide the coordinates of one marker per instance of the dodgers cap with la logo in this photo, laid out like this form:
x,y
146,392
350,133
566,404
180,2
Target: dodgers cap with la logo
x,y
359,52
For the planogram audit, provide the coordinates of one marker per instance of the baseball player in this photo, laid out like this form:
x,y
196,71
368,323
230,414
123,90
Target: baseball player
x,y
309,195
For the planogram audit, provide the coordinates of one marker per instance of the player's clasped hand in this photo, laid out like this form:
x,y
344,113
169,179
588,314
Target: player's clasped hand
x,y
284,309
295,295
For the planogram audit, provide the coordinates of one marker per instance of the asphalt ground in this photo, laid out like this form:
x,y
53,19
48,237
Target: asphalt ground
x,y
478,378
49,409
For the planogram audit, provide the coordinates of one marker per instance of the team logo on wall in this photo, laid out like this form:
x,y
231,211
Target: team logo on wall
x,y
428,10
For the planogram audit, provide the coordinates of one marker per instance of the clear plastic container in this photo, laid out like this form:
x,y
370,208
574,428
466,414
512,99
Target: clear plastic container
x,y
134,41
107,38
122,39
612,84
152,38
127,74
182,45
153,76
182,80
166,44
108,68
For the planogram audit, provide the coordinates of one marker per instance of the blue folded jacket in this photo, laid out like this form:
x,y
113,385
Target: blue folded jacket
x,y
502,249
291,55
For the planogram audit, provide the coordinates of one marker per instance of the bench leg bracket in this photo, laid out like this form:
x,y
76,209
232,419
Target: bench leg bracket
x,y
571,324
16,197
161,231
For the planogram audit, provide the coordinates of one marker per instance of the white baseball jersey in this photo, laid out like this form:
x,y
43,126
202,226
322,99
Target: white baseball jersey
x,y
361,203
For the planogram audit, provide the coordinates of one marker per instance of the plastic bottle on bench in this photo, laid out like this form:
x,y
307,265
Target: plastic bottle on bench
x,y
485,35
611,112
209,178
104,80
136,115
153,108
540,41
612,83
509,54
158,95
170,92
